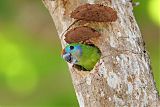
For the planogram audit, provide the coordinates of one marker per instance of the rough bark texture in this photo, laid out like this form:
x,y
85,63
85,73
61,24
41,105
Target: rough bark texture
x,y
123,76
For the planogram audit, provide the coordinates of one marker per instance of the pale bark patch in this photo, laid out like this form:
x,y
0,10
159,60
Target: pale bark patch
x,y
113,80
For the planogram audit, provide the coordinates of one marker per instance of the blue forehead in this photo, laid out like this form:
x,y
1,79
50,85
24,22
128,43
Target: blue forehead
x,y
76,47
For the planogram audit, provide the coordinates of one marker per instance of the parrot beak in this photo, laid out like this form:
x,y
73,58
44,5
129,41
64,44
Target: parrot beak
x,y
66,56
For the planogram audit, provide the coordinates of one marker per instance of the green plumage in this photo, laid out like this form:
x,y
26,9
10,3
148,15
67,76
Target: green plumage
x,y
90,56
85,55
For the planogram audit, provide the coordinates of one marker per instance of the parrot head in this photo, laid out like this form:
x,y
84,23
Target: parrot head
x,y
72,53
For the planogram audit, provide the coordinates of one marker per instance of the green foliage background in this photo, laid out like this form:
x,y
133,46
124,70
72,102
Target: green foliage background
x,y
32,72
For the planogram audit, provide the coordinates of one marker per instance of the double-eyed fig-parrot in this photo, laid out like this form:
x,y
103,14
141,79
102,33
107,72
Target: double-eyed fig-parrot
x,y
80,54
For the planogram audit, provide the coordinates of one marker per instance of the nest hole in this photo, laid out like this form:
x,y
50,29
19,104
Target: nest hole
x,y
79,67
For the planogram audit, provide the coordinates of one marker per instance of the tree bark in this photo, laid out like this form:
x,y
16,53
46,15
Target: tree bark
x,y
123,76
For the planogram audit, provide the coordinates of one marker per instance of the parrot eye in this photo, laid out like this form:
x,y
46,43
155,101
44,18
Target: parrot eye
x,y
71,47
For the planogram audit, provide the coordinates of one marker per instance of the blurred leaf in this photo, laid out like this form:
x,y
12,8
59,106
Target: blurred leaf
x,y
6,11
153,7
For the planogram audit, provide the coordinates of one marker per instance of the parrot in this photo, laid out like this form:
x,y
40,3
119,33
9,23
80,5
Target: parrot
x,y
83,55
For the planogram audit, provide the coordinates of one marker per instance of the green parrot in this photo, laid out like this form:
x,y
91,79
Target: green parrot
x,y
81,54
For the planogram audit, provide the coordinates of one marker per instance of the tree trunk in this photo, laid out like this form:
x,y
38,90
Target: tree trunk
x,y
123,76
